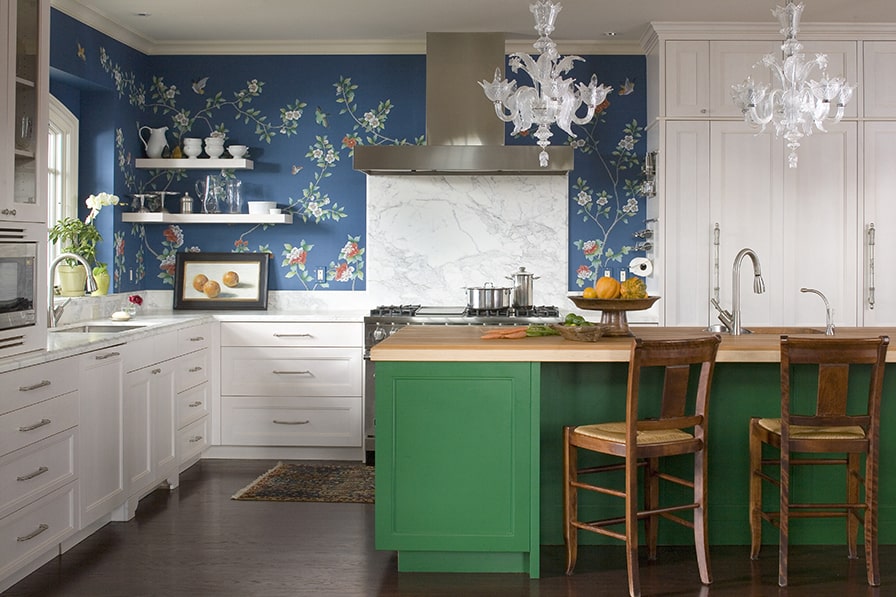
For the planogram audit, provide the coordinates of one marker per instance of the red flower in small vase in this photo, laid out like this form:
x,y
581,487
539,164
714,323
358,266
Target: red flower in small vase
x,y
135,299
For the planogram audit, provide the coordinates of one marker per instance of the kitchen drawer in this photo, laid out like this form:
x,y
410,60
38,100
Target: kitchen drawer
x,y
28,532
192,440
291,334
276,421
33,471
191,370
149,350
267,371
194,338
192,404
30,385
31,424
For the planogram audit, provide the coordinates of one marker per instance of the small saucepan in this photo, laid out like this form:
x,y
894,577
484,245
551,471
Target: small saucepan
x,y
488,297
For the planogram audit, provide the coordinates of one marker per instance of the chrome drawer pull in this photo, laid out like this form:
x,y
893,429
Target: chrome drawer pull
x,y
156,371
38,385
195,404
108,355
30,476
43,422
195,438
279,372
293,336
276,422
197,339
194,369
40,529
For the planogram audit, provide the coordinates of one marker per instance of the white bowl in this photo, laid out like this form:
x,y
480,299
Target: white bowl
x,y
237,151
192,151
214,151
261,207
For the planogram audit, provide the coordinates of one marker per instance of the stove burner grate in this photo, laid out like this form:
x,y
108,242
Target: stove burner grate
x,y
395,310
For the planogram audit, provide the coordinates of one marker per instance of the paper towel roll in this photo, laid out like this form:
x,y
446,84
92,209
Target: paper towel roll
x,y
640,266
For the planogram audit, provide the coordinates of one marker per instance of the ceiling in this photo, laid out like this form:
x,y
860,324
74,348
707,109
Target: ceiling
x,y
399,26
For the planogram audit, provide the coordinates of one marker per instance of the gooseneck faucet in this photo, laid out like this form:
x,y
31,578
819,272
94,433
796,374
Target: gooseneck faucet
x,y
54,313
758,287
828,313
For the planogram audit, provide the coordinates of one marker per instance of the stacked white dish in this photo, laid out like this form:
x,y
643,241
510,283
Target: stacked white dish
x,y
192,147
214,146
261,207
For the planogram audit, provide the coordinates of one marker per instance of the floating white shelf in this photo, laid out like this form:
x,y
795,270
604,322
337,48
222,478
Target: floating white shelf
x,y
196,163
163,218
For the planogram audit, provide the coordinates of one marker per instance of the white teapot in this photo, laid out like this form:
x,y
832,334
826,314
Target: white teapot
x,y
157,141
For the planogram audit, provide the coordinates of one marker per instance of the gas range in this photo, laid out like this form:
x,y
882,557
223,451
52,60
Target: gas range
x,y
387,319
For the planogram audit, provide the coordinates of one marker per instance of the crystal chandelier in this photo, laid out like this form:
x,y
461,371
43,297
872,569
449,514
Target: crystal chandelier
x,y
552,99
799,103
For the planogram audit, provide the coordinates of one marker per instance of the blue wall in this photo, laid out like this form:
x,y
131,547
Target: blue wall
x,y
300,117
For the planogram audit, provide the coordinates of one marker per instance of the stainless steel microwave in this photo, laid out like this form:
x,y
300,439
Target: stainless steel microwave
x,y
19,275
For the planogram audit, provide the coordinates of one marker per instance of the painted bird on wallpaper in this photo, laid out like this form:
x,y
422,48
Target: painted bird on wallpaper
x,y
199,86
81,53
627,87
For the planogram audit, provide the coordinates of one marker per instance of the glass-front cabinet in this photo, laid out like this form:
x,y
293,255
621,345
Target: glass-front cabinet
x,y
24,32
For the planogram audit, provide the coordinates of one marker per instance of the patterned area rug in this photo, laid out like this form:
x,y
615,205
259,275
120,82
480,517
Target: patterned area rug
x,y
352,483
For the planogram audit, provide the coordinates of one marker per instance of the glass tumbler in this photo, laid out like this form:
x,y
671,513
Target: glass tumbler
x,y
234,196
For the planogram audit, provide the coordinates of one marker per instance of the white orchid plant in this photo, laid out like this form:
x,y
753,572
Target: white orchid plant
x,y
96,203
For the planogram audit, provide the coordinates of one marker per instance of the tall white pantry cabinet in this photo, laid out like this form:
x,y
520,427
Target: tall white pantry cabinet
x,y
828,224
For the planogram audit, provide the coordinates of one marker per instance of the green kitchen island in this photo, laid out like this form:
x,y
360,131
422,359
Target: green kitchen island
x,y
469,447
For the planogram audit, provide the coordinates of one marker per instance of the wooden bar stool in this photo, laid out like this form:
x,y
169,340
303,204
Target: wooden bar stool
x,y
832,431
678,428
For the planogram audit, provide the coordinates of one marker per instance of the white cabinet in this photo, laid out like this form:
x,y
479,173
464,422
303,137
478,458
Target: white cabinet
x,y
101,452
38,463
878,260
879,84
24,37
292,384
698,74
193,393
150,444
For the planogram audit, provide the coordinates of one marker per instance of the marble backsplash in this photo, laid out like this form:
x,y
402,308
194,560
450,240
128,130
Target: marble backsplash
x,y
429,237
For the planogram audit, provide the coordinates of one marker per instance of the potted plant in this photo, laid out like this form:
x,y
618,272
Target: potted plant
x,y
74,236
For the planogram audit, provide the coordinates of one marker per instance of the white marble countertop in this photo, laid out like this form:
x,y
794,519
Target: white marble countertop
x,y
62,344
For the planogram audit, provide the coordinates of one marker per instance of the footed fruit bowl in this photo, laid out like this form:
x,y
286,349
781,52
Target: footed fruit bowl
x,y
613,311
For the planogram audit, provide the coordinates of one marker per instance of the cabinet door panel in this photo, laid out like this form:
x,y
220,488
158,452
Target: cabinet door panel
x,y
820,229
879,84
731,62
880,210
259,371
746,201
687,79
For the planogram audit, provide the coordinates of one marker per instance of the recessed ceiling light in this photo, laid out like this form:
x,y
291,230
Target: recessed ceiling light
x,y
610,33
143,14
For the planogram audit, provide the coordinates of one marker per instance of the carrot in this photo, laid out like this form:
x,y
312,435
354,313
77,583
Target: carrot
x,y
508,333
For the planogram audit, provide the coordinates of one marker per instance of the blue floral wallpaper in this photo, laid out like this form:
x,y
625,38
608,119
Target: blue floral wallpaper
x,y
301,117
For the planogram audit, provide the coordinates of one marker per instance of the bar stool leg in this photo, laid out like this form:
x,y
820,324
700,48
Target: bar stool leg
x,y
701,538
651,502
784,519
631,524
852,497
755,492
570,501
870,523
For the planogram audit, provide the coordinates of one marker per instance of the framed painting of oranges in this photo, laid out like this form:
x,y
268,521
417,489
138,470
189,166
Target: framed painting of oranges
x,y
221,280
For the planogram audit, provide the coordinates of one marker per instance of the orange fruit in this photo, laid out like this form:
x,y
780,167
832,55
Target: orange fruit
x,y
230,279
199,281
608,288
589,293
211,289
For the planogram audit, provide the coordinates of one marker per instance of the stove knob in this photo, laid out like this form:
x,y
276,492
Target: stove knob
x,y
379,334
392,329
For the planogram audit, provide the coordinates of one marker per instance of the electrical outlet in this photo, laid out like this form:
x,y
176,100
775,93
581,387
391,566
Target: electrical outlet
x,y
320,273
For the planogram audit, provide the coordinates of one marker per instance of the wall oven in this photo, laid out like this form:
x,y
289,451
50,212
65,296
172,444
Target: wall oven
x,y
21,329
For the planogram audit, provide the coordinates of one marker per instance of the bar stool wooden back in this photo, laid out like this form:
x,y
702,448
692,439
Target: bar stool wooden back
x,y
834,434
678,428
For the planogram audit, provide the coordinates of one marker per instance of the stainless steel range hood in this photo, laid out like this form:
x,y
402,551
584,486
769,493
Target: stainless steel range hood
x,y
464,136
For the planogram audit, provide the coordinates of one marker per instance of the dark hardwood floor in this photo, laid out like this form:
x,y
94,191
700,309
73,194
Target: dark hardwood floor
x,y
196,541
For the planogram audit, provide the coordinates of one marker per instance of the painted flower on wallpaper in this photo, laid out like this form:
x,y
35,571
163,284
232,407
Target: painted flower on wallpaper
x,y
607,208
351,266
295,261
173,239
372,121
118,261
315,204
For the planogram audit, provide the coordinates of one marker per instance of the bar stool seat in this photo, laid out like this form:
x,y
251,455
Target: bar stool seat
x,y
679,427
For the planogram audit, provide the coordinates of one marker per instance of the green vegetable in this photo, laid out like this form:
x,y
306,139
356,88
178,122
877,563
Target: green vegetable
x,y
537,329
574,319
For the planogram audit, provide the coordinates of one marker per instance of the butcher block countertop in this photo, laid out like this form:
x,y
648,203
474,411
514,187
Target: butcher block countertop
x,y
462,343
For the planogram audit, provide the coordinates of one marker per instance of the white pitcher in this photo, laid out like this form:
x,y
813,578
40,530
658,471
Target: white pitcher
x,y
157,141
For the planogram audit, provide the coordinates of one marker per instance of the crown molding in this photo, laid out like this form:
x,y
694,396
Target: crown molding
x,y
103,24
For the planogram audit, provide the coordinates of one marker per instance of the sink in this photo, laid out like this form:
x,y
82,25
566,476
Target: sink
x,y
781,330
97,328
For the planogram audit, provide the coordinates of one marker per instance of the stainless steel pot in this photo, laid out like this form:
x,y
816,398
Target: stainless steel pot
x,y
488,297
522,288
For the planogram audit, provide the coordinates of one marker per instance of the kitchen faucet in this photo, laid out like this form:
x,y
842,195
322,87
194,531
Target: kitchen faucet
x,y
758,287
56,312
828,313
